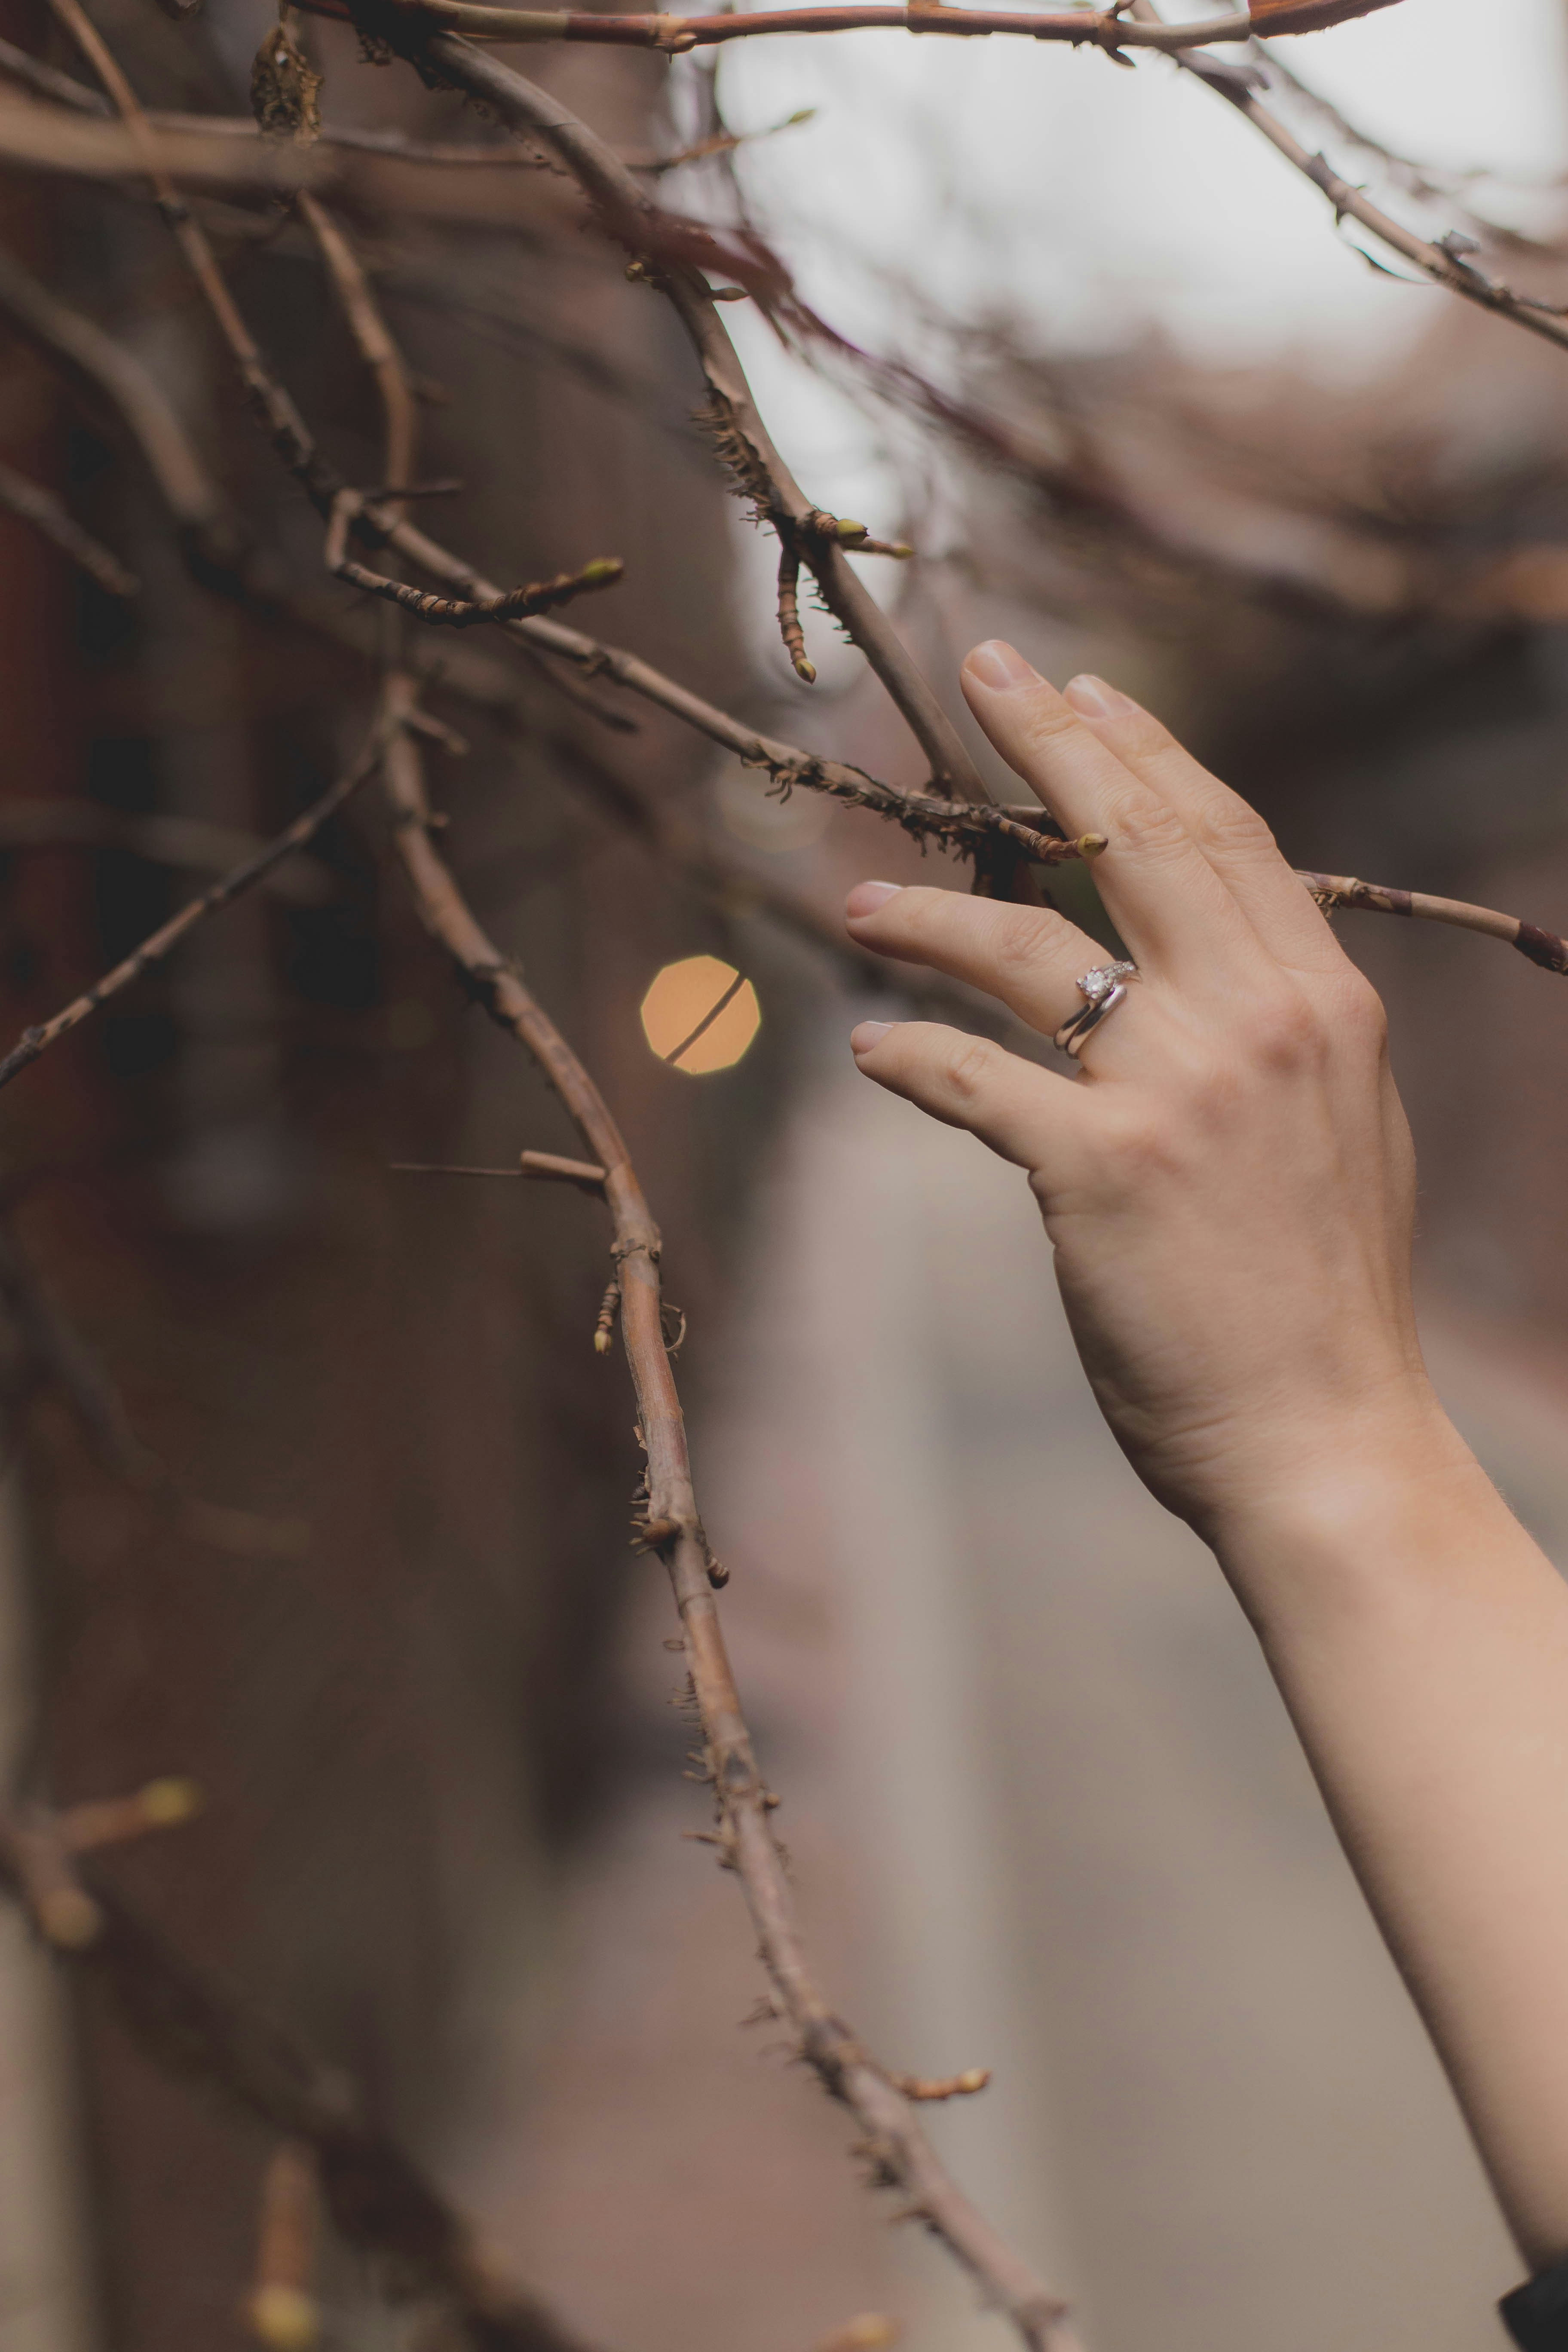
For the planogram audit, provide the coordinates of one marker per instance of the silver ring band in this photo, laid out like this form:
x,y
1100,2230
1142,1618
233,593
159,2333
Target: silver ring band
x,y
1102,990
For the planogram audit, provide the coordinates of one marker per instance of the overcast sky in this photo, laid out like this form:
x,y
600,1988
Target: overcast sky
x,y
1092,199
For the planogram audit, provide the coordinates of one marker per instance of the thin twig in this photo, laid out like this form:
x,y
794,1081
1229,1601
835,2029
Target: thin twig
x,y
924,817
399,408
449,612
630,215
547,1167
790,629
1543,948
1444,260
1105,29
35,504
186,842
37,1039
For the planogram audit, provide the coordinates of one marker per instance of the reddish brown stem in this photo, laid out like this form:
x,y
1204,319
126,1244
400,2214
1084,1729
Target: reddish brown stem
x,y
1103,29
1543,948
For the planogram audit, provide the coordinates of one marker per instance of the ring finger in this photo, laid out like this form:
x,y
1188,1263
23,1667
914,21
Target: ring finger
x,y
1029,957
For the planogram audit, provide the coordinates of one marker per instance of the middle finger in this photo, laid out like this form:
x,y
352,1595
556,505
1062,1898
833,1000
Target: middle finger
x,y
1173,910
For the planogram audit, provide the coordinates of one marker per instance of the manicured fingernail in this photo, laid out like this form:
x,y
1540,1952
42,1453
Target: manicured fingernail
x,y
996,665
868,1034
1095,699
867,896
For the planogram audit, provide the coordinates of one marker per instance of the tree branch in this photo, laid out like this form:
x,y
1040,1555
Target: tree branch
x,y
894,2143
202,2032
37,1039
629,214
1543,948
1105,29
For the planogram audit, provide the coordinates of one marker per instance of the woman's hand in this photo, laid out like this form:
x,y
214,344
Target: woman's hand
x,y
1229,1183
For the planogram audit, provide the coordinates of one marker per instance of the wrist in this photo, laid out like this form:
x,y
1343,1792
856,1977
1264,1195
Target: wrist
x,y
1366,1505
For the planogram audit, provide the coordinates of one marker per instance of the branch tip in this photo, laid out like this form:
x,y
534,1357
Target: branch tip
x,y
921,2088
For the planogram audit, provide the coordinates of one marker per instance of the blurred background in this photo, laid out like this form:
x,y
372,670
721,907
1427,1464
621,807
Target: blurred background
x,y
317,1492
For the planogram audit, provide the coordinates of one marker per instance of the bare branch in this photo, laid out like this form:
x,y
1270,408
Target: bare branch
x,y
1100,28
35,504
629,214
900,2154
400,410
1543,948
40,139
180,841
37,1039
1441,259
456,612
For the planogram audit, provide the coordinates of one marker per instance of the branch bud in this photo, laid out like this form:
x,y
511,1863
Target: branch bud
x,y
164,1802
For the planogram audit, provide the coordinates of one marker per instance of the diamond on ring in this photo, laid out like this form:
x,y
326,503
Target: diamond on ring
x,y
1098,982
1103,988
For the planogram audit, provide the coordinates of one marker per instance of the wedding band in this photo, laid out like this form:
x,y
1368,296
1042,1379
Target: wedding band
x,y
1102,989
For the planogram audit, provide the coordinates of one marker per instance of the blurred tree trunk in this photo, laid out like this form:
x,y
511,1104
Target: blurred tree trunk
x,y
392,1698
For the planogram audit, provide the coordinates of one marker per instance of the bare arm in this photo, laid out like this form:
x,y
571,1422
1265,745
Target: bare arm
x,y
1228,1187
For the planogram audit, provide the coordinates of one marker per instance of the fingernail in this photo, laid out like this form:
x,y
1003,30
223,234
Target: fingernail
x,y
1095,699
996,665
867,896
868,1034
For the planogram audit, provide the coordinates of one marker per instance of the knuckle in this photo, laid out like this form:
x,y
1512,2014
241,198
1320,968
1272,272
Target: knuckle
x,y
1228,827
1358,1012
1285,1032
1146,827
967,1065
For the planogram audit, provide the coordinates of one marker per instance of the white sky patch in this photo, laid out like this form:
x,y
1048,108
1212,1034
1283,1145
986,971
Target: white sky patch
x,y
1094,201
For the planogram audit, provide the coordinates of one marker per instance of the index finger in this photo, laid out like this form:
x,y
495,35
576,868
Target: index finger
x,y
1172,909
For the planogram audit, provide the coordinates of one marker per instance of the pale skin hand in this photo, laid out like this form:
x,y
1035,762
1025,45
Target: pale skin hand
x,y
1228,1189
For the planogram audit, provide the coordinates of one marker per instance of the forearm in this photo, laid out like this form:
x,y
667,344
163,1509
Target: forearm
x,y
1420,1639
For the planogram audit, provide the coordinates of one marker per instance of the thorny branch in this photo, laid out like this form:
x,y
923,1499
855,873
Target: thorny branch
x,y
378,2200
629,214
194,499
895,2145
